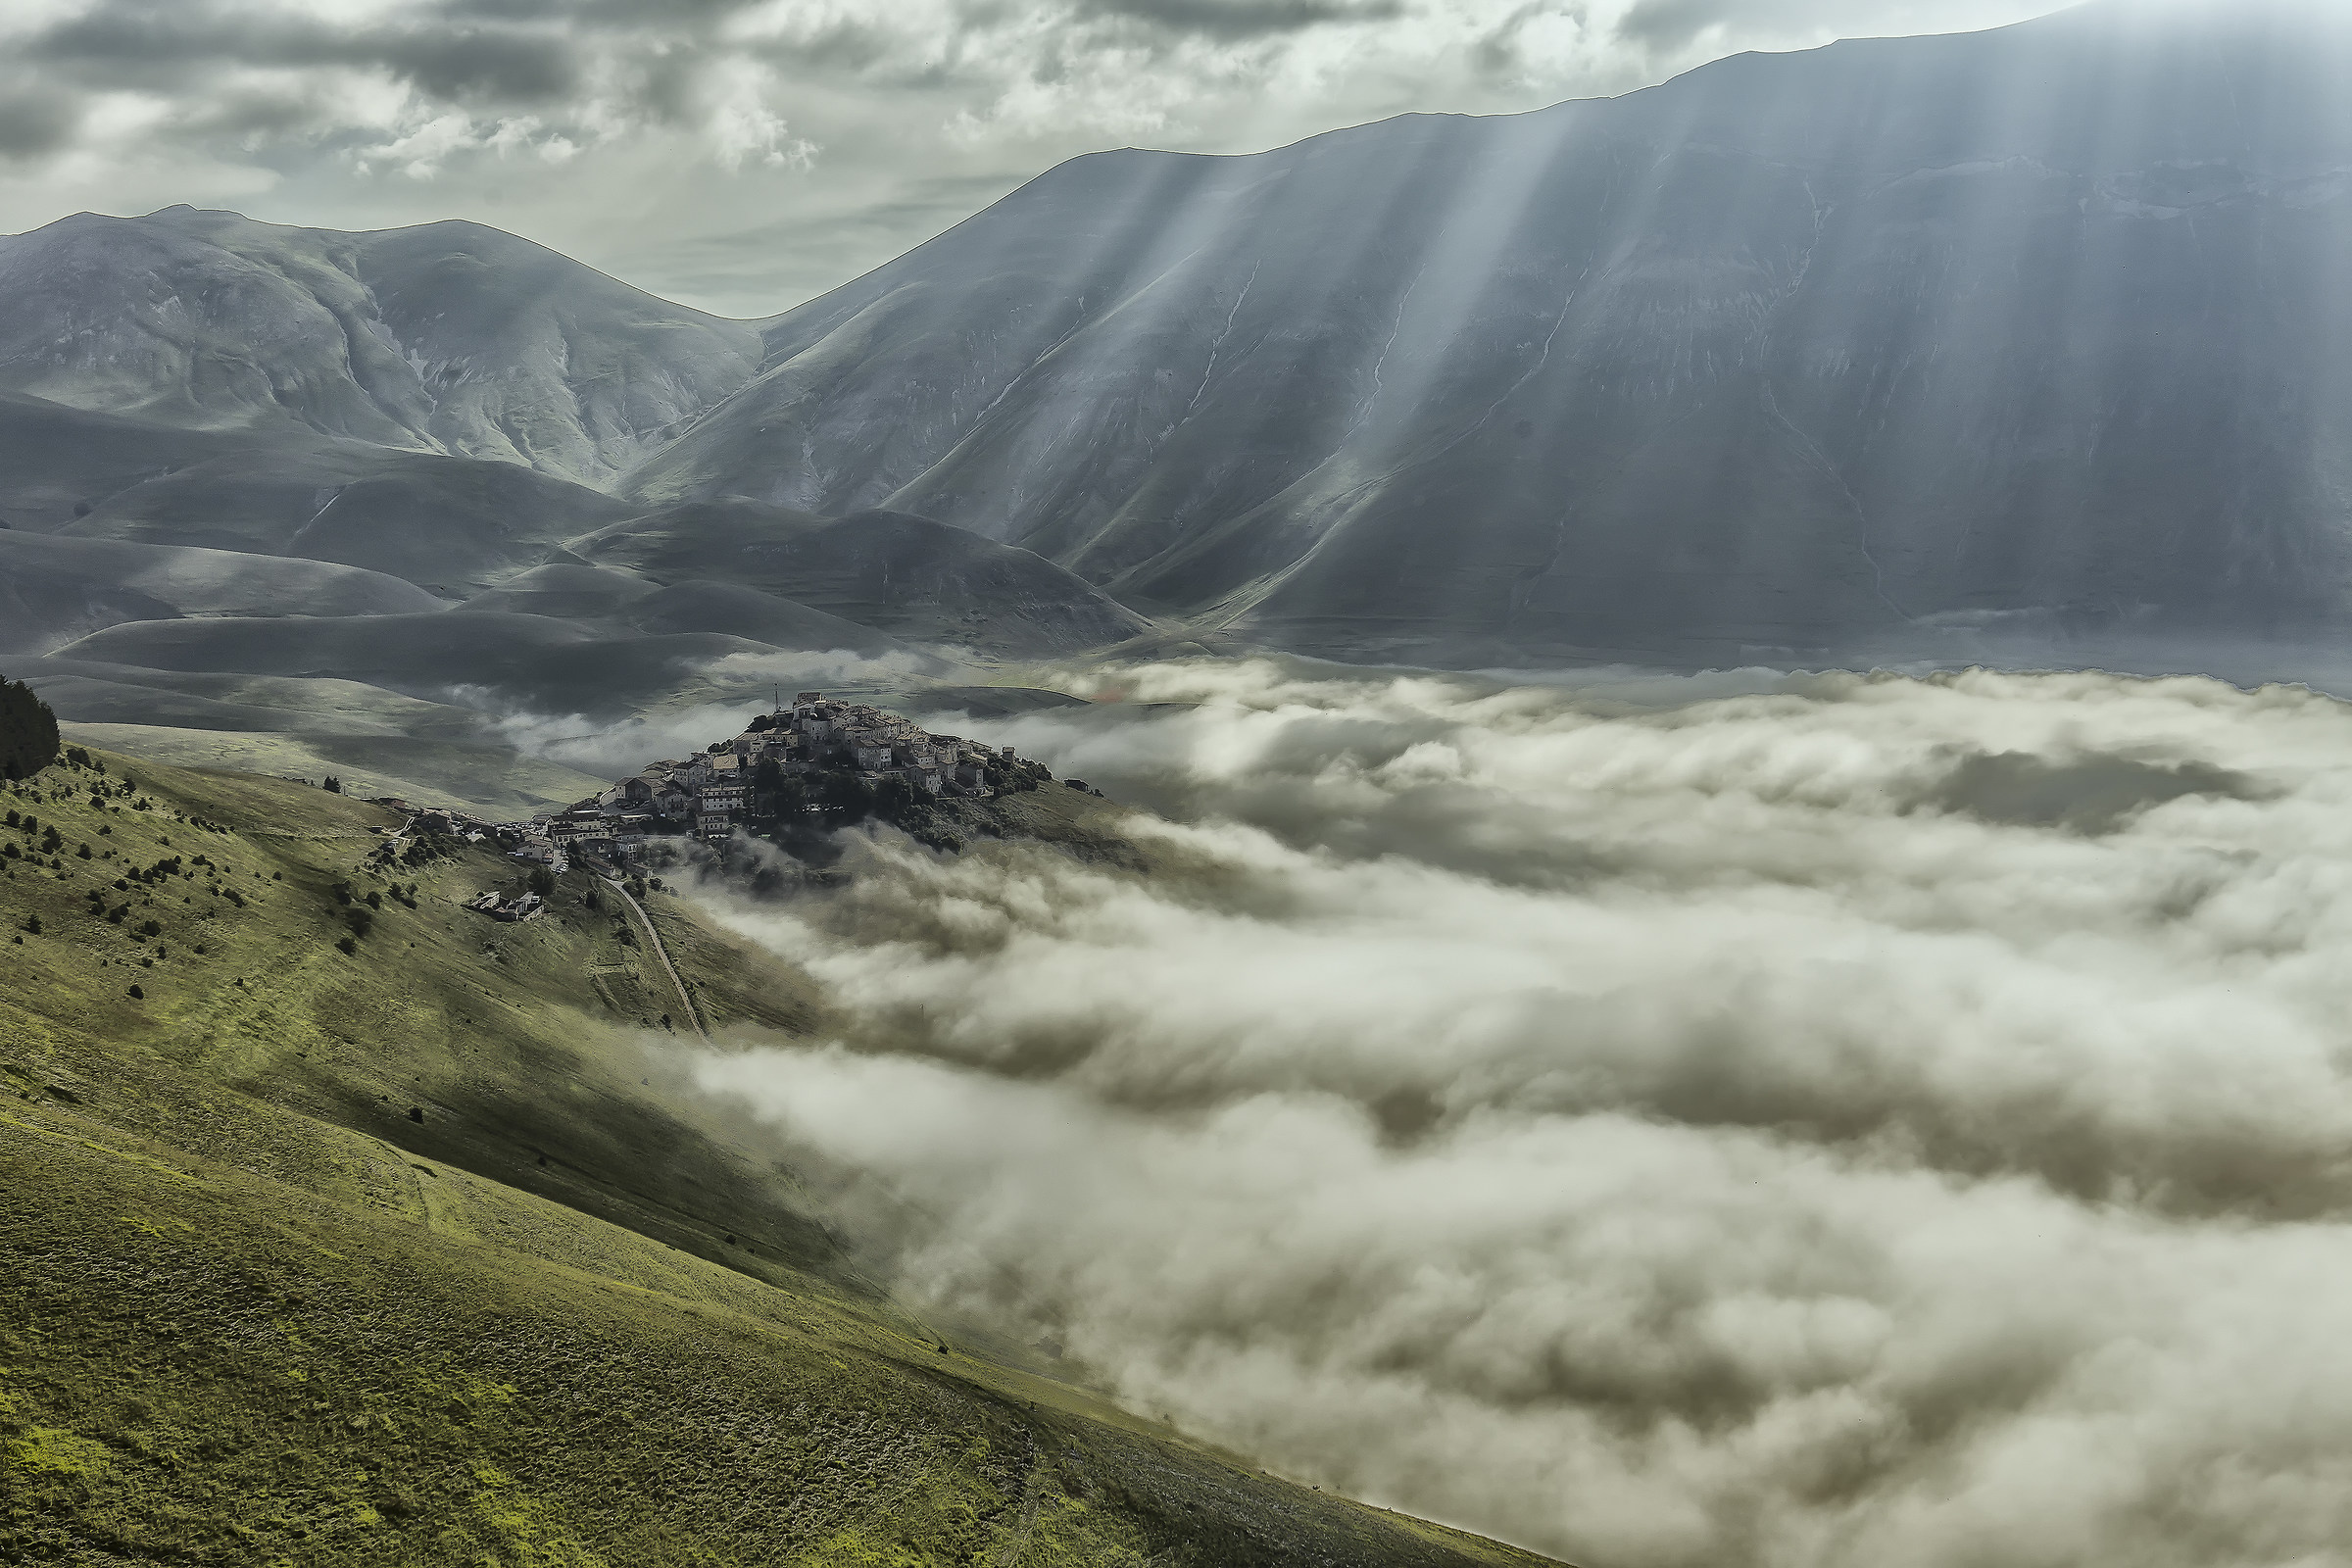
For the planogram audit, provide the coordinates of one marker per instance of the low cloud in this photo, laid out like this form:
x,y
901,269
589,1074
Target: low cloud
x,y
616,751
1777,1119
611,749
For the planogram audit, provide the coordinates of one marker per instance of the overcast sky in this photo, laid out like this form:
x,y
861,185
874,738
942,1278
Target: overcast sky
x,y
743,155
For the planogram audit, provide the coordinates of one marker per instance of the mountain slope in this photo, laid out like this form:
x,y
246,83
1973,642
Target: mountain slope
x,y
453,524
54,590
2040,327
449,337
409,1253
525,661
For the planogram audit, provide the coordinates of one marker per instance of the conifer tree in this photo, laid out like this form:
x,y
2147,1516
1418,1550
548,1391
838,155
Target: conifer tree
x,y
27,731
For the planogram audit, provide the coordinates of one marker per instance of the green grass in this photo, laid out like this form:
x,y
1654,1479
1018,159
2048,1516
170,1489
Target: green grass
x,y
257,1313
472,776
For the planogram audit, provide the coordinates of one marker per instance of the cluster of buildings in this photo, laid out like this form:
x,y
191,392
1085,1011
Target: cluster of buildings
x,y
497,908
710,793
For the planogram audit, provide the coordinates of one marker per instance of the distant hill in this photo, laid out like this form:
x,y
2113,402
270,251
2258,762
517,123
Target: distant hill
x,y
53,590
915,578
449,337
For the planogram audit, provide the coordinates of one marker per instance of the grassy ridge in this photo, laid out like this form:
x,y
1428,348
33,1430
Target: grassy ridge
x,y
257,1312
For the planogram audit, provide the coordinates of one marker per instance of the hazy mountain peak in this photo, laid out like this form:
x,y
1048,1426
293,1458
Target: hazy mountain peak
x,y
453,337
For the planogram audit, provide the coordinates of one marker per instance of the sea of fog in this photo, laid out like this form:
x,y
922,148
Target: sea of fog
x,y
1813,1121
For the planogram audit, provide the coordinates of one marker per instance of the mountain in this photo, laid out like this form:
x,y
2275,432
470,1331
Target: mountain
x,y
450,337
2027,343
2041,328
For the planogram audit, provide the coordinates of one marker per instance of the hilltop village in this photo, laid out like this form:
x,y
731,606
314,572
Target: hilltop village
x,y
834,761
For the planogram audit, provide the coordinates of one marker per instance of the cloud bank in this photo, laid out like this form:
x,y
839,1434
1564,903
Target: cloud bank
x,y
1791,1120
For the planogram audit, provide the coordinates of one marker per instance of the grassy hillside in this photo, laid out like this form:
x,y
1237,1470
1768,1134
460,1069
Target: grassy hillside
x,y
400,1254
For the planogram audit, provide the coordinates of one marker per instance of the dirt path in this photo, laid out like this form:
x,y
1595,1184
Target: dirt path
x,y
694,1017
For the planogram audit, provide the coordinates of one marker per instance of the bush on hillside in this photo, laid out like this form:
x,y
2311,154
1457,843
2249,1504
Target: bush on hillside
x,y
27,731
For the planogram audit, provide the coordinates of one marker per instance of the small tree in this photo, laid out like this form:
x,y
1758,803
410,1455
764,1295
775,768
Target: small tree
x,y
542,881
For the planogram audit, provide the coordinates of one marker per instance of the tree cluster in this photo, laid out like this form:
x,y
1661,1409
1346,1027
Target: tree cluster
x,y
28,738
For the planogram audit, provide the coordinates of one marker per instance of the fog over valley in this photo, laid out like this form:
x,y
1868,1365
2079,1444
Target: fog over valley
x,y
1787,1119
1176,783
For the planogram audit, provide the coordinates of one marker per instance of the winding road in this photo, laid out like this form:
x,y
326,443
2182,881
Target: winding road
x,y
694,1017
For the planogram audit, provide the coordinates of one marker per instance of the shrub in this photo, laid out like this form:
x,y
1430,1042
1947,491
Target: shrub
x,y
359,919
32,925
151,928
138,994
346,945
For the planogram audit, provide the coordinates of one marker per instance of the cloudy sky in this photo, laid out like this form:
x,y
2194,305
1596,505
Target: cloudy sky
x,y
742,155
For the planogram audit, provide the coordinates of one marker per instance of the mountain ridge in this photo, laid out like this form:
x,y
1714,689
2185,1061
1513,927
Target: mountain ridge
x,y
2023,344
